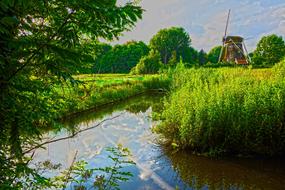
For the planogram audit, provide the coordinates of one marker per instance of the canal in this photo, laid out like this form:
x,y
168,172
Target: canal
x,y
129,123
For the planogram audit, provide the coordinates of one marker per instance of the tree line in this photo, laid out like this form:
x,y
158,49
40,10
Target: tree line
x,y
166,49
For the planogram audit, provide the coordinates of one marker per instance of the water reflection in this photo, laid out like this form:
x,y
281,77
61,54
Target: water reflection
x,y
155,167
204,173
133,105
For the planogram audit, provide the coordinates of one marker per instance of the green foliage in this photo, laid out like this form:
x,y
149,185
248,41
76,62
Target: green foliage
x,y
202,57
166,41
173,59
149,64
226,111
219,65
122,58
279,69
96,50
191,56
42,45
214,54
79,176
97,90
270,50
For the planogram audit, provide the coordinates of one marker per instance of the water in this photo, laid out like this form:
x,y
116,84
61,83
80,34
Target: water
x,y
155,167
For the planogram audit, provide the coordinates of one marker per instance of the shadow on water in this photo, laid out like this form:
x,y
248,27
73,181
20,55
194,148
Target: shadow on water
x,y
233,173
155,167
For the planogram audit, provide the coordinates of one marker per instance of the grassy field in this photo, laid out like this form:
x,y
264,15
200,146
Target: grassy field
x,y
110,79
226,111
96,90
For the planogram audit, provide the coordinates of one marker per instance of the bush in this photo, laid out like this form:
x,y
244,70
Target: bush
x,y
149,64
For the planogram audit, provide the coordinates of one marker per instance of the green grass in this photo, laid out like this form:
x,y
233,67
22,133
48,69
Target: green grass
x,y
110,79
227,111
97,90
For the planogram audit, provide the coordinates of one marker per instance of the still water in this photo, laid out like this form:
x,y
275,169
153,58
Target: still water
x,y
155,167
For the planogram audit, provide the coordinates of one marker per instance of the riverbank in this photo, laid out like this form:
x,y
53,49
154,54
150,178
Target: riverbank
x,y
93,91
235,111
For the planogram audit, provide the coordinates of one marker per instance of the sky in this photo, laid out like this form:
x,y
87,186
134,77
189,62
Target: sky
x,y
205,20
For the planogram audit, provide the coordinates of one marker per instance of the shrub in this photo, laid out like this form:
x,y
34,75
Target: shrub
x,y
149,64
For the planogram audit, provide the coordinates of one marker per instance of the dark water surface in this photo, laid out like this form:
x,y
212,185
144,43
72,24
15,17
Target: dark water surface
x,y
155,168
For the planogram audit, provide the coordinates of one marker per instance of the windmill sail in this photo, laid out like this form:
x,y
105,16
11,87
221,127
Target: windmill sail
x,y
228,19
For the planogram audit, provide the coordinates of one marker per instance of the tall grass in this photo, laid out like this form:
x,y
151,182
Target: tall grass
x,y
227,110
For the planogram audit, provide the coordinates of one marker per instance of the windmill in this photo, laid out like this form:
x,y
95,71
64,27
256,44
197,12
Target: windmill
x,y
233,49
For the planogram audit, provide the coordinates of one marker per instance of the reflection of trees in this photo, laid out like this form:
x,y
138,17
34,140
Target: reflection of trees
x,y
134,105
138,107
200,173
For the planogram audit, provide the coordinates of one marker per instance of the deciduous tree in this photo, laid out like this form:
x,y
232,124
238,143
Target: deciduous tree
x,y
270,50
202,57
214,54
169,40
40,44
122,58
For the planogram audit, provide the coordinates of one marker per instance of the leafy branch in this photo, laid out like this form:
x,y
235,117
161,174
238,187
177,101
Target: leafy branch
x,y
106,178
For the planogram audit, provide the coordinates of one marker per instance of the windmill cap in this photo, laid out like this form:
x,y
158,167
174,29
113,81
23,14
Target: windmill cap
x,y
233,38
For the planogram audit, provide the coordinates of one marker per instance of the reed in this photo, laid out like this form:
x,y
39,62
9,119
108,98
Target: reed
x,y
226,111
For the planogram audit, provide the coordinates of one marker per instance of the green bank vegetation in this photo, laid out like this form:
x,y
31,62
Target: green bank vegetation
x,y
93,91
226,111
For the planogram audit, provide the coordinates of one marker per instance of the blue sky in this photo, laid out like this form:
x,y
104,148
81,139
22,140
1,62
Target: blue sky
x,y
205,20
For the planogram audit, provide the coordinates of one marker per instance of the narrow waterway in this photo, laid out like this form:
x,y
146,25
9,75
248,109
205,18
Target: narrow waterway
x,y
155,168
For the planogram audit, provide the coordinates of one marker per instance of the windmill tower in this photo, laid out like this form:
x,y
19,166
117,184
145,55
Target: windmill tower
x,y
233,49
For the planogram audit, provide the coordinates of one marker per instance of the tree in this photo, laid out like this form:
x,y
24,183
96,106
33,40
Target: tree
x,y
100,51
149,64
122,58
169,40
214,54
191,57
41,45
96,50
270,50
202,57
